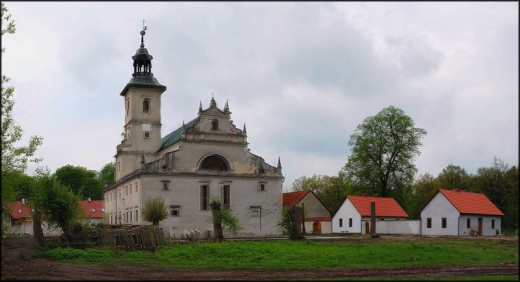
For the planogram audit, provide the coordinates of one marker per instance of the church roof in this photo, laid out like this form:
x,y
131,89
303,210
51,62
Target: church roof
x,y
175,136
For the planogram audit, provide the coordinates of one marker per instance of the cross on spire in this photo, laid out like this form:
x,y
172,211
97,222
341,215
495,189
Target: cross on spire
x,y
144,27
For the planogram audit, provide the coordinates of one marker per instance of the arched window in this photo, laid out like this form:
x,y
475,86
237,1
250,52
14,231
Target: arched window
x,y
213,163
214,124
146,106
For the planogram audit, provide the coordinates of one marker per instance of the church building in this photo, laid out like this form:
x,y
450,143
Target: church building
x,y
206,158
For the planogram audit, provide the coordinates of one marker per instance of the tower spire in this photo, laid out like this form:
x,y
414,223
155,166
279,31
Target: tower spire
x,y
200,106
245,131
279,166
226,107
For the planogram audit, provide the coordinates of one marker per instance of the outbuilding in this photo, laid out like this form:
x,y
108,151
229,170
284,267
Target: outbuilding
x,y
317,218
460,213
353,216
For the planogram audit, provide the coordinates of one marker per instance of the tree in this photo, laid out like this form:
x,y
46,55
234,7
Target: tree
x,y
22,184
14,159
82,181
453,176
56,204
154,210
107,174
291,222
500,184
423,188
384,147
222,219
331,190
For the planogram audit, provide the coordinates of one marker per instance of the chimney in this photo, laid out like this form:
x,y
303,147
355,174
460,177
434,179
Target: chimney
x,y
376,195
23,201
89,199
456,190
364,195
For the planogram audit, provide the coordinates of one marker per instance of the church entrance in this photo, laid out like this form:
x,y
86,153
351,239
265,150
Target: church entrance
x,y
316,227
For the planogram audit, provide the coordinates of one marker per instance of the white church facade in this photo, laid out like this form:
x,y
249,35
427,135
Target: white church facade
x,y
207,158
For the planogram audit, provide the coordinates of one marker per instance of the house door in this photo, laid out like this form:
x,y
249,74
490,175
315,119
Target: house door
x,y
367,228
480,226
316,227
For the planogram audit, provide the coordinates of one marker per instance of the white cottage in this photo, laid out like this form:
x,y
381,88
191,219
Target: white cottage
x,y
460,213
353,216
206,158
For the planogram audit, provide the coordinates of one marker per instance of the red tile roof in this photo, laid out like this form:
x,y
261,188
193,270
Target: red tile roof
x,y
17,208
470,203
94,208
318,219
385,207
291,199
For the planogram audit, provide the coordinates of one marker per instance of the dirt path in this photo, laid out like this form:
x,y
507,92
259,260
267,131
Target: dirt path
x,y
19,263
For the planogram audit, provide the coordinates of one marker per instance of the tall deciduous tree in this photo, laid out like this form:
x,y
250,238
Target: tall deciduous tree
x,y
107,174
14,159
82,181
58,205
453,176
383,151
423,188
331,190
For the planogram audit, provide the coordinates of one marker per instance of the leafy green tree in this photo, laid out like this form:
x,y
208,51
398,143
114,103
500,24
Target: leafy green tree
x,y
82,181
107,174
154,210
383,150
500,184
331,190
453,177
423,188
14,159
291,222
222,219
56,204
22,184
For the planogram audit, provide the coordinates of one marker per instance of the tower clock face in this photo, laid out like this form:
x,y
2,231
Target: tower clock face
x,y
147,127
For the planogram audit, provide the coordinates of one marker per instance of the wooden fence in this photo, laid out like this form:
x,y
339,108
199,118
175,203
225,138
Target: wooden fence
x,y
133,239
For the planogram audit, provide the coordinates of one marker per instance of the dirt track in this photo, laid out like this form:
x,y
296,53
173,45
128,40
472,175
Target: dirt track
x,y
19,263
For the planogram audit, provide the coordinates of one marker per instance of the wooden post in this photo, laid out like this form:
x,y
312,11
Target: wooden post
x,y
372,218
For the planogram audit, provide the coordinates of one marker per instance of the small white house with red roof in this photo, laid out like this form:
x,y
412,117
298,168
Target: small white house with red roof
x,y
317,216
460,213
354,215
22,221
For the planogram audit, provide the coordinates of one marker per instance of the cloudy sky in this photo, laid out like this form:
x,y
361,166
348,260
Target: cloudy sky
x,y
301,76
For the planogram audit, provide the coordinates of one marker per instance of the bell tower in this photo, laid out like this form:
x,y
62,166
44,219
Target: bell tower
x,y
142,102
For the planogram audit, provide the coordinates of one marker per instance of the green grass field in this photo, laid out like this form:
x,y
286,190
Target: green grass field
x,y
306,254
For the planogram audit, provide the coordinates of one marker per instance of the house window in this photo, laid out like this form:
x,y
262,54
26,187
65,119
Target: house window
x,y
126,190
130,213
214,124
492,224
262,186
429,222
119,193
118,166
136,186
127,106
130,189
443,222
146,106
146,134
226,196
174,210
341,222
213,163
468,223
255,211
136,215
204,197
165,185
350,222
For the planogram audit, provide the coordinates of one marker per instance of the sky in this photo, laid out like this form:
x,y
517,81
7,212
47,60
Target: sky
x,y
301,75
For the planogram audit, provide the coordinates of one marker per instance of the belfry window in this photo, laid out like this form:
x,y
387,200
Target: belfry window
x,y
214,124
146,106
